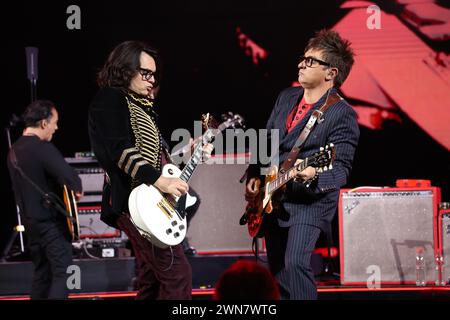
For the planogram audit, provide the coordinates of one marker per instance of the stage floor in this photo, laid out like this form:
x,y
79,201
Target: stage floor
x,y
112,278
325,293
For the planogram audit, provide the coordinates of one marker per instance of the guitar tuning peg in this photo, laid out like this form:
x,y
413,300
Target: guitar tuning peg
x,y
331,145
319,170
321,149
325,168
330,166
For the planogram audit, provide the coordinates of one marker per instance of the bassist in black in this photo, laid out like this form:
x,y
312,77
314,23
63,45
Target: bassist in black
x,y
35,166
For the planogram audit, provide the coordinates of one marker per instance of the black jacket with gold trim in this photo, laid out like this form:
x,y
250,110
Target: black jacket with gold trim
x,y
127,143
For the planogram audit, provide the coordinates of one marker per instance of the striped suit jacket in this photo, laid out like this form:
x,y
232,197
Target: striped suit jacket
x,y
316,204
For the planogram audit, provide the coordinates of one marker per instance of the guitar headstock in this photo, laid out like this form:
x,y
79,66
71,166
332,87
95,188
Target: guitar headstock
x,y
208,122
229,119
233,120
323,160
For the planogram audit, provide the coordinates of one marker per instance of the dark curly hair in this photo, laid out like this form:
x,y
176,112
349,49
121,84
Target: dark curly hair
x,y
36,112
123,64
336,51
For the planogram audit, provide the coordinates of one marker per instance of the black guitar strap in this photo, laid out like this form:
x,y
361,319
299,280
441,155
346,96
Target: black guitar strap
x,y
49,198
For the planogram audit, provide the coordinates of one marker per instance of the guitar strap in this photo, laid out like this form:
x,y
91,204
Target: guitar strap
x,y
316,117
50,199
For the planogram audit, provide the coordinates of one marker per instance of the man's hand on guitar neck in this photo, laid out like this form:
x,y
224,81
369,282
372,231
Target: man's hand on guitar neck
x,y
252,189
207,148
307,174
174,186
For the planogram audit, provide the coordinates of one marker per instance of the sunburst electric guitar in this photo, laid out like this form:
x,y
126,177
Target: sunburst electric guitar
x,y
256,210
72,210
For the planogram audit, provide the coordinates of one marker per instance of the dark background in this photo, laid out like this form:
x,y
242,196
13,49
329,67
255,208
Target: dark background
x,y
204,71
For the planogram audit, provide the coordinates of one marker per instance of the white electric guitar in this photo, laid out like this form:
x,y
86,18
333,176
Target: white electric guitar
x,y
158,216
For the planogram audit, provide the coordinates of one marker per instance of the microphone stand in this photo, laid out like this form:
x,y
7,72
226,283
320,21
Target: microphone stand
x,y
31,54
33,89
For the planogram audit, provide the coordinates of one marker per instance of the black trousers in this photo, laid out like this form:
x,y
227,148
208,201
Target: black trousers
x,y
51,254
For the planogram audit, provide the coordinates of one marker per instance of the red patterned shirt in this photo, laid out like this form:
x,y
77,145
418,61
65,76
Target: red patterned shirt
x,y
297,114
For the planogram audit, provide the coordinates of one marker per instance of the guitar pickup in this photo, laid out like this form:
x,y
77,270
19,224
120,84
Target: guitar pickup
x,y
168,203
169,200
165,210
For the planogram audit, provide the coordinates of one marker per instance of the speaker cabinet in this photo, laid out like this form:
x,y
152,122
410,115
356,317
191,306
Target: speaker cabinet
x,y
444,228
380,231
91,226
215,227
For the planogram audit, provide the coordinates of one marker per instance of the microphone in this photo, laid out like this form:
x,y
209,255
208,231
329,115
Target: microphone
x,y
32,63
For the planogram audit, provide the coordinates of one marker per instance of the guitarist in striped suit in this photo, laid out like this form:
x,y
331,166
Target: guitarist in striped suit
x,y
310,201
125,137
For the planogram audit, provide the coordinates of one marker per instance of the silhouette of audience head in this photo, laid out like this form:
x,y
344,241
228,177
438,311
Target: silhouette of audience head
x,y
247,280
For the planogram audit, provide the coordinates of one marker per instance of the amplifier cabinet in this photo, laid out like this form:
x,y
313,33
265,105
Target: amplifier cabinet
x,y
380,231
91,226
444,237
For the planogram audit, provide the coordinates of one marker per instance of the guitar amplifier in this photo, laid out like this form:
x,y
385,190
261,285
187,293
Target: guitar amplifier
x,y
380,231
91,179
215,227
91,175
91,226
444,239
89,206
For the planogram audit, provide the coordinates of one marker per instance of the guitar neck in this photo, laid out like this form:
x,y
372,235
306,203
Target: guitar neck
x,y
192,164
286,176
196,157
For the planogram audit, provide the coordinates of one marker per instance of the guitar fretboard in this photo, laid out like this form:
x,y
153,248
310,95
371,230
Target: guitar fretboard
x,y
286,176
192,164
196,157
